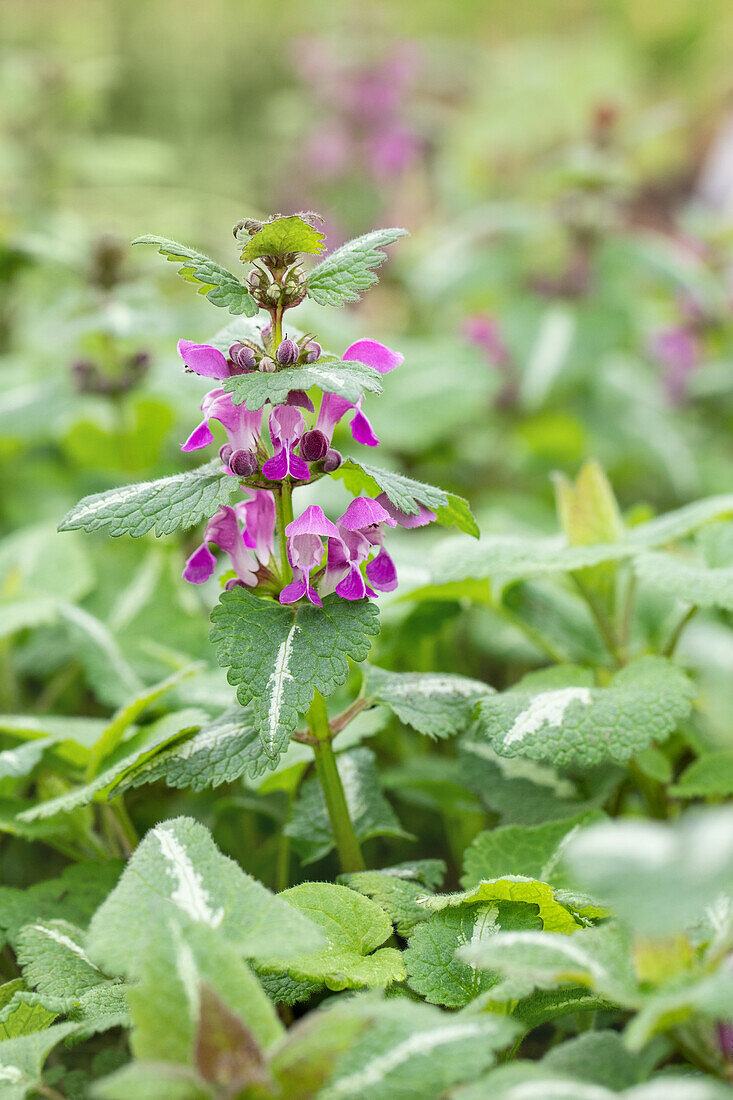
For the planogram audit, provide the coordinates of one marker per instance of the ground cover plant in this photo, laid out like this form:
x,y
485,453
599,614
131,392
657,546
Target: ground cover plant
x,y
520,895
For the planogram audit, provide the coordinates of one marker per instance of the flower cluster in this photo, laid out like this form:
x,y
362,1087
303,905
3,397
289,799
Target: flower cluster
x,y
347,557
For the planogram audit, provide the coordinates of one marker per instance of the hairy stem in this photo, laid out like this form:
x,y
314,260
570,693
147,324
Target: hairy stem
x,y
347,845
284,509
605,628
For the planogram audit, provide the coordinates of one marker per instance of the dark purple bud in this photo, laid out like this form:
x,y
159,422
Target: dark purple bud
x,y
313,351
288,353
267,364
225,453
301,399
242,359
243,463
234,583
314,446
332,461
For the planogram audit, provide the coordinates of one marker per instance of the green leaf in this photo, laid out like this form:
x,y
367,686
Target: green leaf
x,y
132,710
21,1059
354,927
686,580
506,559
578,723
597,958
220,286
281,236
709,777
370,812
555,916
73,897
179,969
305,1058
531,1081
101,1008
168,504
116,764
151,1081
527,792
432,967
23,1015
397,889
531,850
178,874
415,1050
438,705
54,961
345,274
407,494
222,751
278,656
658,877
587,507
346,378
19,762
599,1057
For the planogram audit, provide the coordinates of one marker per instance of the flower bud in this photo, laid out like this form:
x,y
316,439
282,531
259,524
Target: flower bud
x,y
288,353
314,446
332,461
242,359
225,453
267,364
243,463
234,583
272,294
313,351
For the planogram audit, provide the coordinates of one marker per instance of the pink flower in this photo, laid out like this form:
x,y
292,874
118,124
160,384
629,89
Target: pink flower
x,y
223,530
333,408
242,426
286,428
305,552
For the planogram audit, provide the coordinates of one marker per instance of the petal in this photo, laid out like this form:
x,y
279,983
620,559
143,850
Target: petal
x,y
312,521
353,586
373,354
200,437
293,592
381,572
332,409
365,512
276,468
203,359
362,430
421,519
200,566
298,468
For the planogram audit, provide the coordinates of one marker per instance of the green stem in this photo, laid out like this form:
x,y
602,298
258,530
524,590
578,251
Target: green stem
x,y
277,327
537,639
284,510
128,832
282,869
347,845
652,791
676,633
605,629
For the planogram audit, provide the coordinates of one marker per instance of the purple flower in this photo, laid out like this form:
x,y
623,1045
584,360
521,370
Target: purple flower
x,y
346,554
286,428
288,352
404,519
258,515
305,551
367,518
372,354
483,332
242,426
392,151
223,530
676,348
203,359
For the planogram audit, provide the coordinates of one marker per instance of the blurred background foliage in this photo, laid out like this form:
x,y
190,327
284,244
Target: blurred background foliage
x,y
566,174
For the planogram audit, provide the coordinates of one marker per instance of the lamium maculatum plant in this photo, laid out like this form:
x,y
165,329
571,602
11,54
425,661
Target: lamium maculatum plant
x,y
298,590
